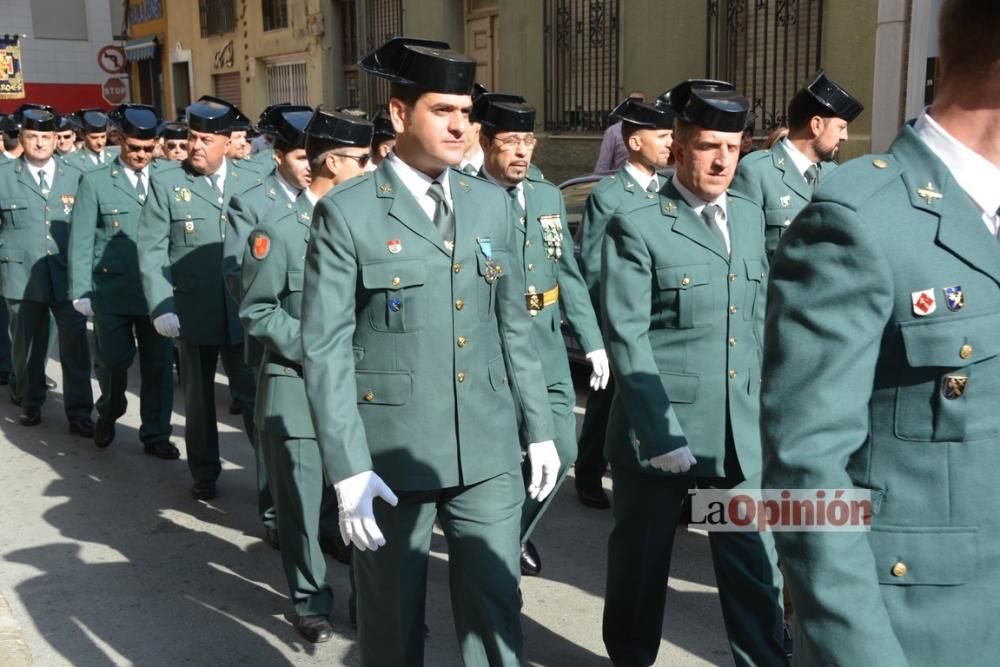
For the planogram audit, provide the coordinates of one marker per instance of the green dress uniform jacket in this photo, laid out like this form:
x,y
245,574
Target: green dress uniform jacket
x,y
772,181
683,327
181,233
549,265
34,236
882,367
271,312
104,267
82,159
374,281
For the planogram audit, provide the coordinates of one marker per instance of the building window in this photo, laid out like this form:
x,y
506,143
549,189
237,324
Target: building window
x,y
58,19
581,63
767,48
227,87
275,14
217,16
383,20
349,53
140,11
286,82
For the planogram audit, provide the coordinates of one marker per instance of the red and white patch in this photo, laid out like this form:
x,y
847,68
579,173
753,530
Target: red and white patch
x,y
923,302
395,246
261,246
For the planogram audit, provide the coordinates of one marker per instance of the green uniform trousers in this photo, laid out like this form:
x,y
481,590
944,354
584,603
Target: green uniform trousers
x,y
562,400
295,471
117,338
481,523
6,366
590,462
646,510
201,433
29,328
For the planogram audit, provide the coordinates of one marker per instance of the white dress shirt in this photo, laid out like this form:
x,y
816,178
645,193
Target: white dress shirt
x,y
476,161
641,178
519,189
291,192
979,177
221,171
799,159
49,168
698,204
133,175
417,182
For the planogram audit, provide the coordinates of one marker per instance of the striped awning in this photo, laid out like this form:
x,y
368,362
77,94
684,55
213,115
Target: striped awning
x,y
141,49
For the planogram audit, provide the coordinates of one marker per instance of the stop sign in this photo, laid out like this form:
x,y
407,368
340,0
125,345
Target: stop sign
x,y
114,90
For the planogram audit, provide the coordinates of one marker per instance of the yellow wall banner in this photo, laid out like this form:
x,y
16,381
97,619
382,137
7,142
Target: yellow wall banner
x,y
11,78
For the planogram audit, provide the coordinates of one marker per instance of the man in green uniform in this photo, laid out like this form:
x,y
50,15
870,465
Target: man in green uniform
x,y
416,340
174,144
105,285
385,137
682,289
781,180
271,310
38,193
881,373
94,130
279,189
551,280
66,136
10,150
181,231
647,131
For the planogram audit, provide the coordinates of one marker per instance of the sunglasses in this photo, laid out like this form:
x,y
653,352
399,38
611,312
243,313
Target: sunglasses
x,y
174,145
362,159
132,148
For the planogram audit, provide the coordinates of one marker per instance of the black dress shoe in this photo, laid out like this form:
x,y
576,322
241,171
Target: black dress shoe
x,y
31,417
82,426
271,537
334,546
314,629
595,498
234,408
163,450
203,490
531,562
104,433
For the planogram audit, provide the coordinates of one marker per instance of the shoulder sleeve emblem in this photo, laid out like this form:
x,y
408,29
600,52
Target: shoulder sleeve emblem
x,y
261,245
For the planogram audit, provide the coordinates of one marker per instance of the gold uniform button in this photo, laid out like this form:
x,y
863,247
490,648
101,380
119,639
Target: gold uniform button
x,y
881,164
732,374
685,282
114,210
116,224
48,252
395,281
732,277
732,310
461,341
531,267
459,304
527,243
456,268
965,352
787,222
899,569
732,342
47,208
460,377
48,223
104,269
48,237
370,396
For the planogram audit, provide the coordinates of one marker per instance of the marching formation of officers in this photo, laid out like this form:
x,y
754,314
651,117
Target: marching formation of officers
x,y
386,298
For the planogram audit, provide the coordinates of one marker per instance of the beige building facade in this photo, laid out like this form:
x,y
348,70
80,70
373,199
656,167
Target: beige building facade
x,y
572,59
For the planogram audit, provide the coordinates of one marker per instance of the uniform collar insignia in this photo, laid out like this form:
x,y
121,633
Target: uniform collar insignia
x,y
385,188
929,194
464,184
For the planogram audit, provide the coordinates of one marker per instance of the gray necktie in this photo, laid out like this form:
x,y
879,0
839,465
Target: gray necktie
x,y
812,176
444,217
140,189
470,169
710,215
214,180
43,184
653,185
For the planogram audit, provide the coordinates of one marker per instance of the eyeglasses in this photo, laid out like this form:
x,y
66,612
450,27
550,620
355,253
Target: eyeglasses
x,y
362,159
133,148
510,143
174,145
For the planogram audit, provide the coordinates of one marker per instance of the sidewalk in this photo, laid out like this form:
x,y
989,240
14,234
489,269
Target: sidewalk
x,y
106,560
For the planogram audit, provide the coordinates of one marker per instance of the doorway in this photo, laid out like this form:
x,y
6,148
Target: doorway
x,y
482,40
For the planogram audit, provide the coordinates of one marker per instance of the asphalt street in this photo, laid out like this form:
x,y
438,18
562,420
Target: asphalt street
x,y
105,559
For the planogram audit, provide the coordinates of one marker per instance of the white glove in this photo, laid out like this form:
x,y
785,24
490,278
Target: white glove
x,y
679,460
544,469
83,307
600,369
357,518
167,325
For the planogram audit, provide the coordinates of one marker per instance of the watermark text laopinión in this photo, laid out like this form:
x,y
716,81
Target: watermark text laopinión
x,y
759,510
